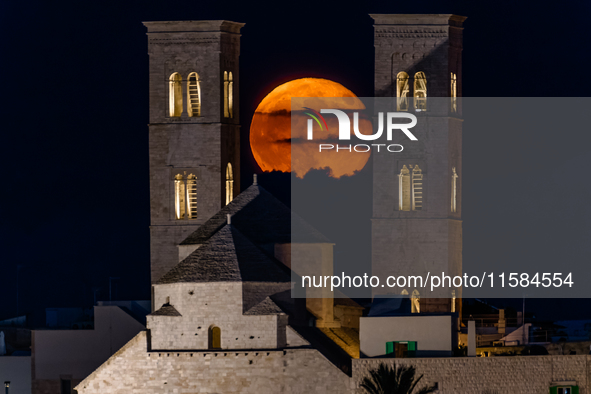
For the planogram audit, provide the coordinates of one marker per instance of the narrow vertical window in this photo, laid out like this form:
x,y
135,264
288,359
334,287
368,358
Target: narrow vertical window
x,y
179,196
454,93
420,91
417,189
215,338
230,95
175,95
402,91
454,192
453,301
229,184
192,196
415,302
193,95
226,86
404,189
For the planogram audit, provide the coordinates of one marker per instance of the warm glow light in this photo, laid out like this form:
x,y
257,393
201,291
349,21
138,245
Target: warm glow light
x,y
271,135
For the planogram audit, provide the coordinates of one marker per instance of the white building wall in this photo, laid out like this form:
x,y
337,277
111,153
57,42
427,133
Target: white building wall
x,y
203,305
79,352
433,334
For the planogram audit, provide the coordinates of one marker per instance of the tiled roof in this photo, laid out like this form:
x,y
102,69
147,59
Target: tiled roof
x,y
265,307
228,256
166,310
262,218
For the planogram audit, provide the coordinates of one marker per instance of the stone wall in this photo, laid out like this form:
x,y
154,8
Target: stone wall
x,y
134,369
474,375
203,305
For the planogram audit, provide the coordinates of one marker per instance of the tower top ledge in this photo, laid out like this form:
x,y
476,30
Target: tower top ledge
x,y
418,19
193,26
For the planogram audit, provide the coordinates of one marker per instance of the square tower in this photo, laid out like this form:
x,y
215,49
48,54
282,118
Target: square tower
x,y
194,129
417,224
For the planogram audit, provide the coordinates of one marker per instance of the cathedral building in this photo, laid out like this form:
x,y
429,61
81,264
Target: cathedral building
x,y
223,318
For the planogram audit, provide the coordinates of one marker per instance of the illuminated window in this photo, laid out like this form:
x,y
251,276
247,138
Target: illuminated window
x,y
193,95
454,93
404,189
417,189
228,95
410,188
192,196
214,338
229,184
415,302
402,91
420,91
185,196
454,192
175,95
453,301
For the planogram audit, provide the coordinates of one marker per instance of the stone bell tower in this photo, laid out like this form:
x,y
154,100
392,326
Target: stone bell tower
x,y
417,203
194,129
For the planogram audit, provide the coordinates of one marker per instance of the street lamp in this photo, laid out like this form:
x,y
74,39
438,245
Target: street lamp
x,y
6,385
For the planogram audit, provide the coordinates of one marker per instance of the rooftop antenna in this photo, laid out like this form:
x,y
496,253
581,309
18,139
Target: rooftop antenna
x,y
229,217
254,180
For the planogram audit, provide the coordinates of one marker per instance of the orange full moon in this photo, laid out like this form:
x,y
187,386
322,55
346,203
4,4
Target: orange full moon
x,y
273,140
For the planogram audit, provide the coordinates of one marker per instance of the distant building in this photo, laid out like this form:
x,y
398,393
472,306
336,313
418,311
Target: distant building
x,y
63,357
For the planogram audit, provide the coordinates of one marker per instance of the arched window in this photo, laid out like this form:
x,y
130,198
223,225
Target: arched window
x,y
175,95
410,188
229,184
454,93
185,196
402,91
192,196
214,338
226,96
454,193
417,189
420,91
415,302
193,95
179,196
230,95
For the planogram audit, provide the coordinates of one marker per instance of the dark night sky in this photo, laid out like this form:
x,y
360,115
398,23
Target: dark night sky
x,y
75,196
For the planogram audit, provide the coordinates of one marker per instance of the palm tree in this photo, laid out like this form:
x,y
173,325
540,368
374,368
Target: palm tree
x,y
388,380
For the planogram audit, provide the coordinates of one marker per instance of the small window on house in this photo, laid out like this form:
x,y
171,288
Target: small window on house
x,y
229,184
215,338
415,302
175,95
453,301
454,193
194,95
410,188
565,390
454,93
420,91
185,196
402,91
226,95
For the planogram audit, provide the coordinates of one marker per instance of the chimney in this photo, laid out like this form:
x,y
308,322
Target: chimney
x,y
254,180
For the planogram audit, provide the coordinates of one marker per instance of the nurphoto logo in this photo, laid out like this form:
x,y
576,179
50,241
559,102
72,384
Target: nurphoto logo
x,y
345,129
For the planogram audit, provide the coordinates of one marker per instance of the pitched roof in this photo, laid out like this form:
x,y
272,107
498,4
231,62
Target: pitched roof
x,y
228,256
262,218
265,307
166,310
